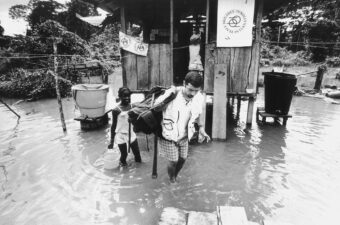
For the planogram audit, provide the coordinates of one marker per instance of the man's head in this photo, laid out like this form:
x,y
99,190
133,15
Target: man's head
x,y
124,95
192,84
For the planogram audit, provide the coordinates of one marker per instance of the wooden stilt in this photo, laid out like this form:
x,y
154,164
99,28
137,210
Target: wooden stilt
x,y
251,103
238,106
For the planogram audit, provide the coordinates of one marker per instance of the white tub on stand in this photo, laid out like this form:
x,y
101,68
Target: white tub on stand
x,y
91,101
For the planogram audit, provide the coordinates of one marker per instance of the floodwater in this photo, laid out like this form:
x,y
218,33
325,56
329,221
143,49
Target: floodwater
x,y
285,174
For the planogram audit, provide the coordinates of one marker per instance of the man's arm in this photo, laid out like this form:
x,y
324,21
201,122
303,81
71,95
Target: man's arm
x,y
200,120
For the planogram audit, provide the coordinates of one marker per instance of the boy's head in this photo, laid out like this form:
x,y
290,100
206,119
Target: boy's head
x,y
124,95
192,83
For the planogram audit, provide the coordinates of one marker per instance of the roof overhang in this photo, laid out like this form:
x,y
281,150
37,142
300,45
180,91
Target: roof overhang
x,y
112,5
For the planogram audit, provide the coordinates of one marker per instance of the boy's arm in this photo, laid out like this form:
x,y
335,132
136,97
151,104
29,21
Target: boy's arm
x,y
115,113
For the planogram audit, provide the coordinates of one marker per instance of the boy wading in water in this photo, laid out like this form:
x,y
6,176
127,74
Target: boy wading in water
x,y
120,128
179,117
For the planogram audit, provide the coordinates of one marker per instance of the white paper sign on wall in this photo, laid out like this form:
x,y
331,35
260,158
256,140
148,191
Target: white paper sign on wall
x,y
132,44
235,22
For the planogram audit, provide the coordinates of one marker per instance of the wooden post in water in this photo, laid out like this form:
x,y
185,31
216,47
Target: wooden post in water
x,y
321,70
55,51
219,123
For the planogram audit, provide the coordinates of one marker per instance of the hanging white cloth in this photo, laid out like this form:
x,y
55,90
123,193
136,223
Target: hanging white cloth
x,y
195,62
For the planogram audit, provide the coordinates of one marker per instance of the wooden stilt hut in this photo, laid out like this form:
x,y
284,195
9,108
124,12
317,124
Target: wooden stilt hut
x,y
166,27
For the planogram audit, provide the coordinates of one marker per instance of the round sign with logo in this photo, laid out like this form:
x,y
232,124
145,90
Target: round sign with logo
x,y
139,47
234,21
125,42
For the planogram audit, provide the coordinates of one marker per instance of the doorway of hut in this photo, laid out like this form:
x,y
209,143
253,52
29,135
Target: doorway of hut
x,y
189,17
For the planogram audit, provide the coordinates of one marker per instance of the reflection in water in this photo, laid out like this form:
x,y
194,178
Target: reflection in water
x,y
280,173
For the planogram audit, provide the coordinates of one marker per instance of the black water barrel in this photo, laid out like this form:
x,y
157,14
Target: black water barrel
x,y
278,92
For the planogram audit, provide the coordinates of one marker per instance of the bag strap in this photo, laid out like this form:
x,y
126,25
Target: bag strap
x,y
152,99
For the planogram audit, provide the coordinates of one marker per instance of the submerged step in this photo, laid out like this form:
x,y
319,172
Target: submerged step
x,y
228,215
225,215
202,218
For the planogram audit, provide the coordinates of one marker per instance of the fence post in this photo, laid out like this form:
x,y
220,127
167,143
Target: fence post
x,y
55,51
321,70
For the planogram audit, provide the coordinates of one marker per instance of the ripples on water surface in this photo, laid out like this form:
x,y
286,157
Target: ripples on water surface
x,y
288,174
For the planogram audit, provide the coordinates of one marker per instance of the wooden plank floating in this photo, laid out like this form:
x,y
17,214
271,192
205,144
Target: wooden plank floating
x,y
219,126
271,222
231,215
196,218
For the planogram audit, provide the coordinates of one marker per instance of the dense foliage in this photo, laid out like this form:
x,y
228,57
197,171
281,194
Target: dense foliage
x,y
105,46
312,26
27,61
32,85
37,12
31,77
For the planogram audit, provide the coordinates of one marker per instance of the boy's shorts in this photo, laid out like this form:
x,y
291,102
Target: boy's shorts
x,y
171,150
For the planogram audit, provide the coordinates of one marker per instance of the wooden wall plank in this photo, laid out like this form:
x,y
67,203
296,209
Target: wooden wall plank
x,y
209,65
239,69
224,56
238,63
165,78
142,72
219,126
130,65
255,63
153,65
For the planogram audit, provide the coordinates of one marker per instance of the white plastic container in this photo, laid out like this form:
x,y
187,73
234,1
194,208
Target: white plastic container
x,y
90,99
111,158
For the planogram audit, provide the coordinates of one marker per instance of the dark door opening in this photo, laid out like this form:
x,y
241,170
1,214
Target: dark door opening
x,y
189,15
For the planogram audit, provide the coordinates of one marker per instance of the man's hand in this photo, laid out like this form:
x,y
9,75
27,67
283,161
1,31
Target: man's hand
x,y
110,146
203,136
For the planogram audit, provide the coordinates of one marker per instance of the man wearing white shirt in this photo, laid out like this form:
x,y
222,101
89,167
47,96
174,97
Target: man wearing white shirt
x,y
178,121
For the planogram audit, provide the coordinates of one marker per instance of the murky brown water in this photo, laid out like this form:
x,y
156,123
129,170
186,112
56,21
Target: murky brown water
x,y
288,174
